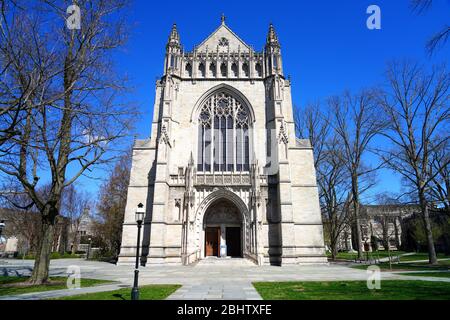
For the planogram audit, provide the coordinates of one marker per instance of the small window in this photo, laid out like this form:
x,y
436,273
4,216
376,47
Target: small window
x,y
275,62
258,69
201,69
234,70
173,62
223,70
189,70
212,70
245,69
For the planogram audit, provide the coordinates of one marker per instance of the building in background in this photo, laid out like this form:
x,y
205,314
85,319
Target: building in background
x,y
397,227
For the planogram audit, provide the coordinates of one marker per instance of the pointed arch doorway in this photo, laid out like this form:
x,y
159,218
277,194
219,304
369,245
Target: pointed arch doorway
x,y
223,230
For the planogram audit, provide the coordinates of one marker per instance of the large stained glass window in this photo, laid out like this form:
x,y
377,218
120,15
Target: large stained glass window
x,y
223,135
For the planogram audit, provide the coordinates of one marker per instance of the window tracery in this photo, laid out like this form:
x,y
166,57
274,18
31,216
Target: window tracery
x,y
223,135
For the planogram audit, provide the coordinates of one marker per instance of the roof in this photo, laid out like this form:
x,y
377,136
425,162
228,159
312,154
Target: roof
x,y
224,39
390,209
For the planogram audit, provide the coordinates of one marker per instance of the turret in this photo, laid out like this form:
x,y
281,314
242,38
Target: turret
x,y
173,52
273,53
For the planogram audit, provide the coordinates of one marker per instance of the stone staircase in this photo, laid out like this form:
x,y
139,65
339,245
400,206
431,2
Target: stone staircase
x,y
225,262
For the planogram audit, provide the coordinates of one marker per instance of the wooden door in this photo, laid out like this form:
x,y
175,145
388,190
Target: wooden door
x,y
212,241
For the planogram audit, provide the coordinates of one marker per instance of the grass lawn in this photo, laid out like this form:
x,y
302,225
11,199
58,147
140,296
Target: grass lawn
x,y
354,290
428,274
151,292
375,254
419,266
421,256
11,285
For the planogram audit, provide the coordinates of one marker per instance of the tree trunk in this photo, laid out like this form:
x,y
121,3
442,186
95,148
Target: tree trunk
x,y
428,230
75,243
356,213
390,259
334,250
386,234
50,211
42,261
397,237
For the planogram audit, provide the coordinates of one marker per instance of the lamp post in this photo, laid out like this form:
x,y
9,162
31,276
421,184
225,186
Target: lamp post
x,y
140,212
2,226
89,248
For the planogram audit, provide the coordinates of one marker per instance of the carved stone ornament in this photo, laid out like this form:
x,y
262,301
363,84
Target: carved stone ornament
x,y
283,135
227,214
164,136
223,42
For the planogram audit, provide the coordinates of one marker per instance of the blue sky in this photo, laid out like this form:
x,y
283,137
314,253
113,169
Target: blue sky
x,y
326,45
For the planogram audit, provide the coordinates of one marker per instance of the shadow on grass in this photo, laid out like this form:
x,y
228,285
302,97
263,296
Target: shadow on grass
x,y
119,296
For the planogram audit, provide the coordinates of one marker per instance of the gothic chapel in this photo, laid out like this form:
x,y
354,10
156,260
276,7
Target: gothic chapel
x,y
223,175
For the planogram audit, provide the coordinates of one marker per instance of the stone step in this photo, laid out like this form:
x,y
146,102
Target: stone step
x,y
225,262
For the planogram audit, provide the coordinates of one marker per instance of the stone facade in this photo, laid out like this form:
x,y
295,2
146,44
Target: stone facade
x,y
223,168
381,226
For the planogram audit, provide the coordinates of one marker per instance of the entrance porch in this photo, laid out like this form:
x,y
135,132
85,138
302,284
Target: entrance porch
x,y
223,231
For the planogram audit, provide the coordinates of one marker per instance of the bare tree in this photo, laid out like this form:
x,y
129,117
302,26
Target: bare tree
x,y
356,122
24,224
417,106
313,124
332,178
111,207
386,232
75,119
23,78
421,5
438,39
439,190
75,205
334,185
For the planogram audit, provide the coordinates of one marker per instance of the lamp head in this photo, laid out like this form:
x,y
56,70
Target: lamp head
x,y
140,213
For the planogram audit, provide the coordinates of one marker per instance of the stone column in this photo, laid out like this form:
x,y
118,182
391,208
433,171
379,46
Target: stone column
x,y
223,241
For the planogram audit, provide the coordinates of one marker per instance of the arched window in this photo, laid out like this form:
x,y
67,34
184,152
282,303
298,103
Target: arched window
x,y
212,70
245,69
202,70
188,70
223,70
223,135
258,69
234,70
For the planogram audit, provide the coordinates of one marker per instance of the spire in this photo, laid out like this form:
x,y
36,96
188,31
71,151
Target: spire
x,y
223,18
272,39
174,37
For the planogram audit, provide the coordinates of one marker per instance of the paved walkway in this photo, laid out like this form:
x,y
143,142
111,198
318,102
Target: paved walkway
x,y
212,288
395,256
229,279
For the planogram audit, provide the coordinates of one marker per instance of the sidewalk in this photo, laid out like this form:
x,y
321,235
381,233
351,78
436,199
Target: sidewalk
x,y
209,279
216,291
